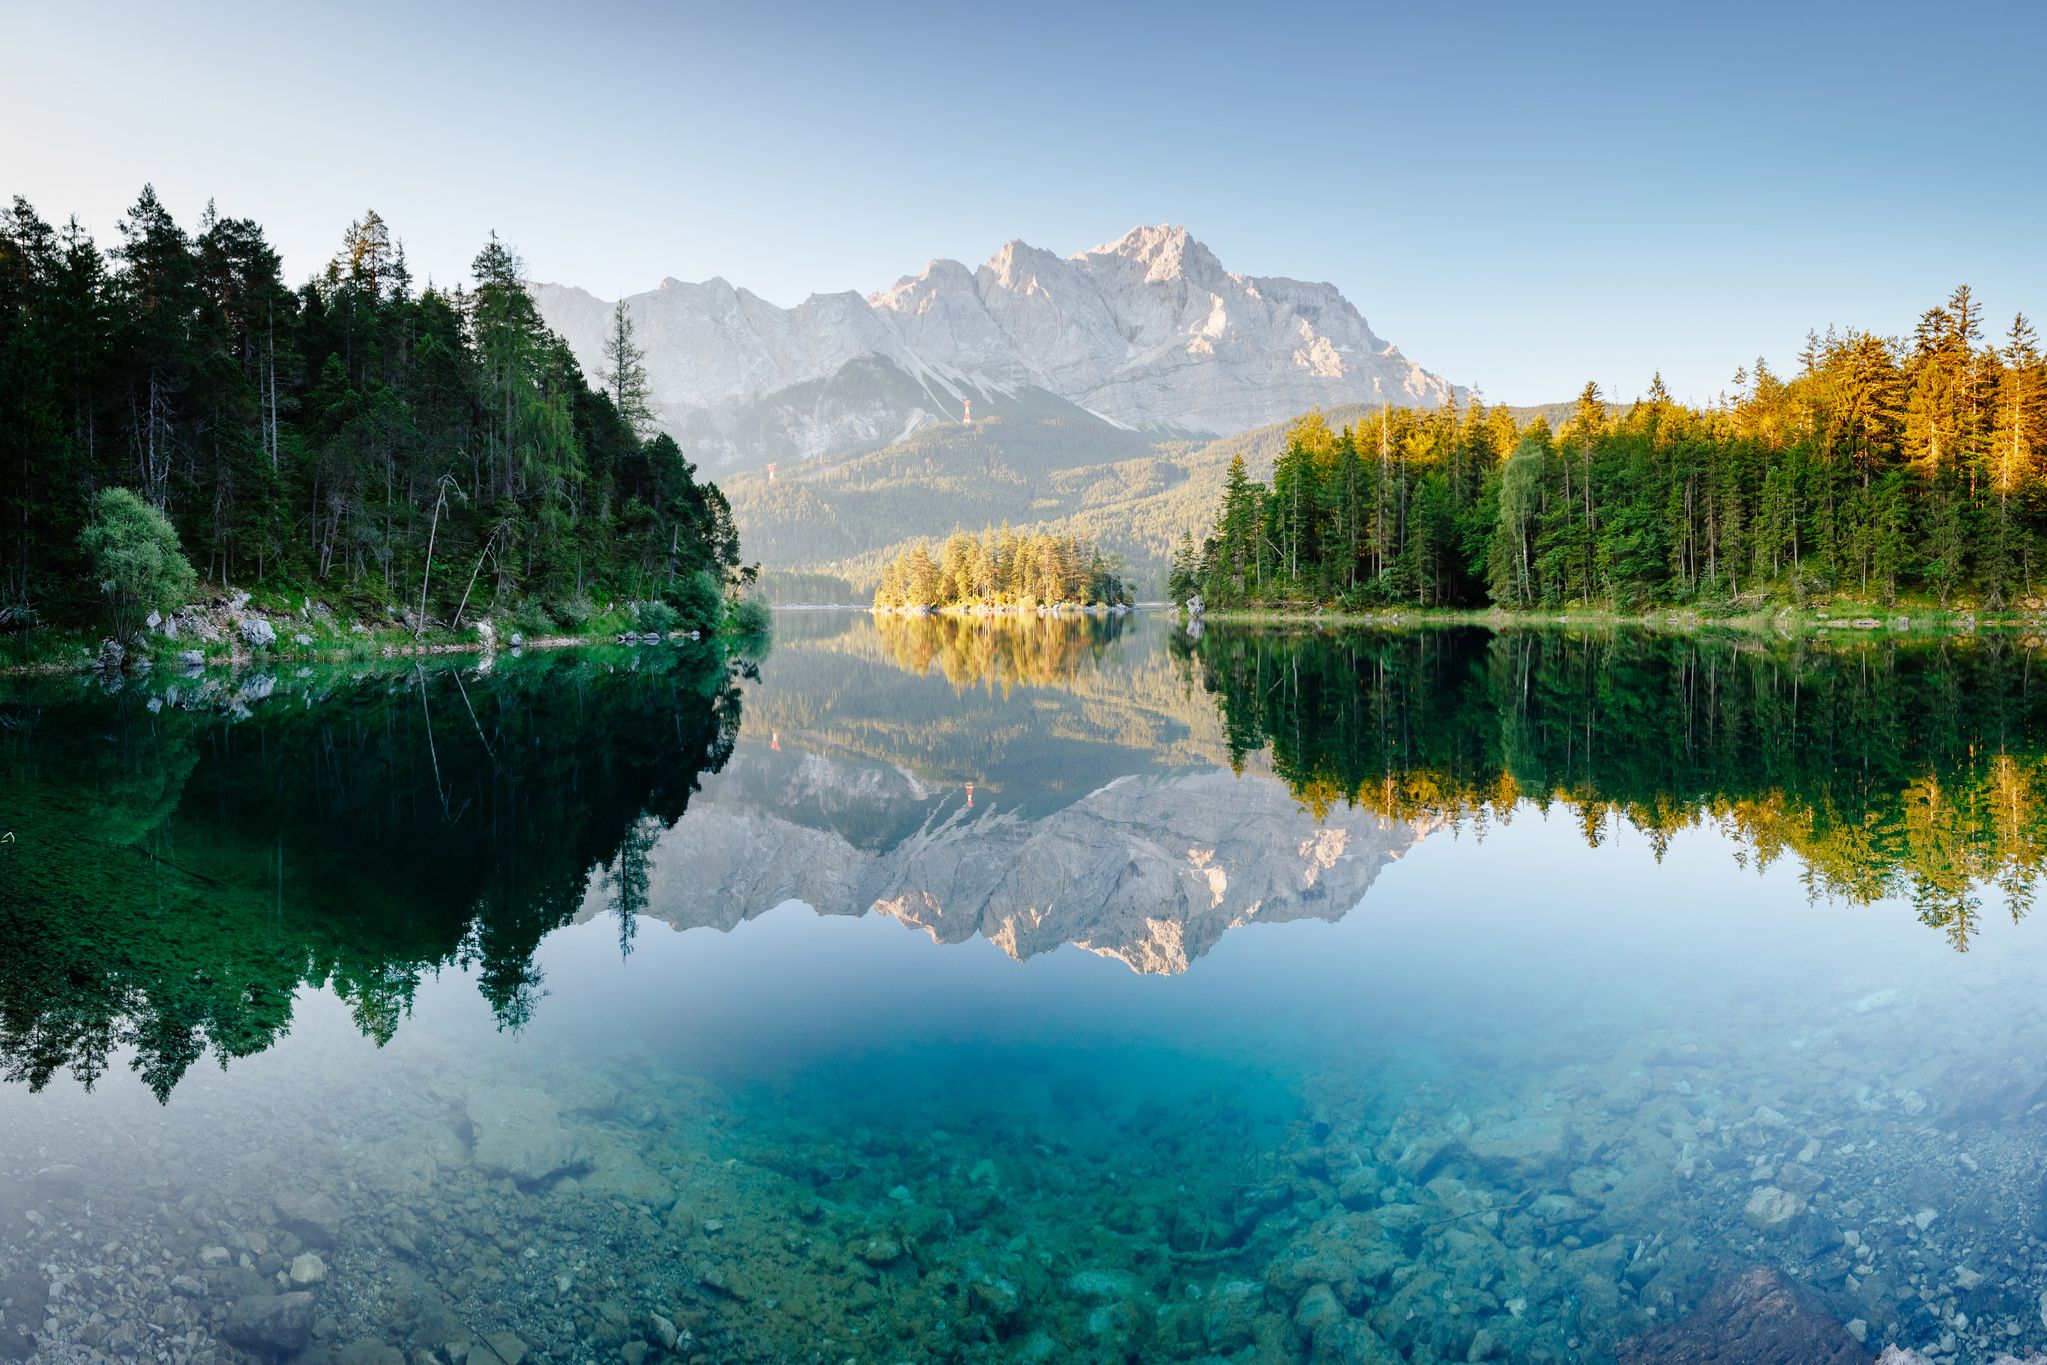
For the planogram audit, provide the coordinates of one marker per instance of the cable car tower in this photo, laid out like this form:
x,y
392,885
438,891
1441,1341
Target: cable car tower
x,y
771,471
968,419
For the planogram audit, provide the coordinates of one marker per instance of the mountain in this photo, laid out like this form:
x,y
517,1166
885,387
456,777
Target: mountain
x,y
1147,336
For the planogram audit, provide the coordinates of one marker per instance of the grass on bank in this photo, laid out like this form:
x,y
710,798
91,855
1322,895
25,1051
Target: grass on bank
x,y
310,632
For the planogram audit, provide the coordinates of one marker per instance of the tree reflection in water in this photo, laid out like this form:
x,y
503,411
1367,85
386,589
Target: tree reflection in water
x,y
187,858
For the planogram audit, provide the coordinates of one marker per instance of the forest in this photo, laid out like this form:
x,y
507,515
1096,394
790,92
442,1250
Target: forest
x,y
382,446
1882,469
1003,568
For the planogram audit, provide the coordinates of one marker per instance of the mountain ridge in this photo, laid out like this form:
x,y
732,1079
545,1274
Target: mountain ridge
x,y
1146,333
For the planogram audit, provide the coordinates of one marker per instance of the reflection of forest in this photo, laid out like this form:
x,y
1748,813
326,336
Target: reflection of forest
x,y
1000,651
1037,712
179,871
1916,770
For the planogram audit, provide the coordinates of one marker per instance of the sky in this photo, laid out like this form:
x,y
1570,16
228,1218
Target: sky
x,y
1521,197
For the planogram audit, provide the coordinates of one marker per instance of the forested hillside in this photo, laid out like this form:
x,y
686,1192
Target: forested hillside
x,y
1052,471
355,438
1881,468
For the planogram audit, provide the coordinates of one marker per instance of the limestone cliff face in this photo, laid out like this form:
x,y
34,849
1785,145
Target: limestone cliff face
x,y
1148,332
1149,870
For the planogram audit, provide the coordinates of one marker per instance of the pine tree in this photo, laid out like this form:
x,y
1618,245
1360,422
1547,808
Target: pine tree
x,y
624,373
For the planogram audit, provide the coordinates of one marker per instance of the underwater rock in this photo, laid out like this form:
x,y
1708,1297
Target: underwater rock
x,y
664,1331
1770,1208
1350,1342
1348,1252
1757,1317
1317,1309
996,1300
1799,1180
519,1133
369,1353
1100,1286
272,1324
624,1177
23,1297
308,1269
1525,1145
310,1215
881,1251
506,1347
1235,1310
1359,1189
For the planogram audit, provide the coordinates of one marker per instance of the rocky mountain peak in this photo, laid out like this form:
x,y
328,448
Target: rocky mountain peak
x,y
1167,252
1148,332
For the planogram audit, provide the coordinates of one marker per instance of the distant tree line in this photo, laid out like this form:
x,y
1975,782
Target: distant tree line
x,y
1881,468
355,437
1002,568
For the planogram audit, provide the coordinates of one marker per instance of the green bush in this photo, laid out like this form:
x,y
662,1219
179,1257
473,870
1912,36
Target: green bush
x,y
750,618
134,554
699,601
658,616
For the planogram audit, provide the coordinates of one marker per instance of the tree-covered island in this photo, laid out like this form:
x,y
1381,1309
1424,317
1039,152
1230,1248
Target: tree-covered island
x,y
1003,570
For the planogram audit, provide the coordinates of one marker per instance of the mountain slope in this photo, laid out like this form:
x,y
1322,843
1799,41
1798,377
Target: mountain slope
x,y
1147,333
1062,471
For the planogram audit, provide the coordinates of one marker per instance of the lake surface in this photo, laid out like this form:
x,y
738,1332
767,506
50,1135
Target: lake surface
x,y
1050,991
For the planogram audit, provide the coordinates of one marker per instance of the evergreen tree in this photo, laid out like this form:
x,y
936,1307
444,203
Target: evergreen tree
x,y
624,375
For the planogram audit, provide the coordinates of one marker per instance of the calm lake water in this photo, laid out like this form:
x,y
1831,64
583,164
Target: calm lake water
x,y
1043,992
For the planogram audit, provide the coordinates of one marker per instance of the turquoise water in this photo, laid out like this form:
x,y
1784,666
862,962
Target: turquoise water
x,y
639,1006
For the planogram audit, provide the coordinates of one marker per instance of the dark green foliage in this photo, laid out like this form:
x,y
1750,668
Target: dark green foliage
x,y
1883,468
331,440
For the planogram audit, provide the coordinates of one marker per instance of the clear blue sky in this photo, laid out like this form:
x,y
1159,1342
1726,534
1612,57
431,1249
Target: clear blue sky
x,y
1521,196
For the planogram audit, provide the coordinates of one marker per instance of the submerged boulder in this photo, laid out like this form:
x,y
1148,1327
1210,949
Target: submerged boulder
x,y
272,1324
519,1133
1769,1208
1758,1318
1521,1146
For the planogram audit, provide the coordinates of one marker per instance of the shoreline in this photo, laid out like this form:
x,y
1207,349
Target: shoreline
x,y
240,656
1853,621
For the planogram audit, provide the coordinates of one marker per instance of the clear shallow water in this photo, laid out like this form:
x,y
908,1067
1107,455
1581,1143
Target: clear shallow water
x,y
589,1005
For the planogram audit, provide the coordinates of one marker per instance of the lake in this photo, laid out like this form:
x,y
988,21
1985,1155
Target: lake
x,y
1051,990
